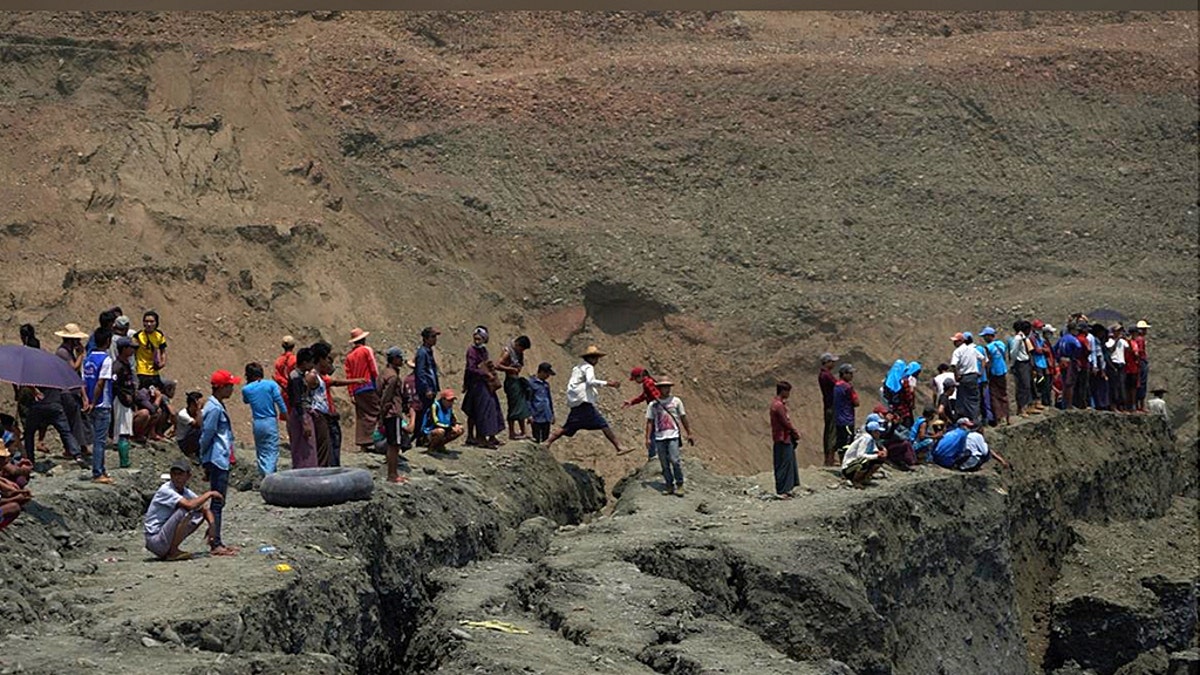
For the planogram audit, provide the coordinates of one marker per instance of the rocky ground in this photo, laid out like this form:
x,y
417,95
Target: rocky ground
x,y
928,567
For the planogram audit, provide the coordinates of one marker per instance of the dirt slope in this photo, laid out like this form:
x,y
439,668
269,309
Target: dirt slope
x,y
721,196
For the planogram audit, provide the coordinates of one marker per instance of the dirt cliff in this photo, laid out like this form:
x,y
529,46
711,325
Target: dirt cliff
x,y
721,196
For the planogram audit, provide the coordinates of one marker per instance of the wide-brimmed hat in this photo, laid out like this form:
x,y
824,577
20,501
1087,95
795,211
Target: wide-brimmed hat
x,y
1158,390
71,330
665,382
593,350
358,334
1143,324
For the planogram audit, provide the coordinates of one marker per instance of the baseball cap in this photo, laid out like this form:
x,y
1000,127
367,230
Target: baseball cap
x,y
289,340
880,409
447,394
221,378
874,417
968,335
181,465
1037,324
846,368
122,321
395,353
874,426
958,337
828,358
1049,329
429,331
123,342
964,422
636,373
987,330
545,365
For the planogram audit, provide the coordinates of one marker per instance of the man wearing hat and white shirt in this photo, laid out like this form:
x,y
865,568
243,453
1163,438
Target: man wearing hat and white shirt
x,y
826,381
966,362
360,364
216,449
864,455
582,388
175,512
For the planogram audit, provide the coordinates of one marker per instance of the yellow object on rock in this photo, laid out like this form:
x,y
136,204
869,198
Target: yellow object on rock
x,y
502,626
283,567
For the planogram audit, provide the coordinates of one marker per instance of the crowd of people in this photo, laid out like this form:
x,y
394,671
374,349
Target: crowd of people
x,y
1088,365
125,399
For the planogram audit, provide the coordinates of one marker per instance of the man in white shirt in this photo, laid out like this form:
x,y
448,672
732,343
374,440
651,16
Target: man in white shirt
x,y
978,453
582,388
175,512
664,418
1118,347
965,360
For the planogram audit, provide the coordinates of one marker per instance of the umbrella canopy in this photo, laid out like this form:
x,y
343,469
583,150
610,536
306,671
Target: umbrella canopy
x,y
29,367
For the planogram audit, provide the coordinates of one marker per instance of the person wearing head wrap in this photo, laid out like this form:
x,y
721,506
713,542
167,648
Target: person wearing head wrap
x,y
480,403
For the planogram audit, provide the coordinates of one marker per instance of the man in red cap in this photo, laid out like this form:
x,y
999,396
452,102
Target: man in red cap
x,y
216,448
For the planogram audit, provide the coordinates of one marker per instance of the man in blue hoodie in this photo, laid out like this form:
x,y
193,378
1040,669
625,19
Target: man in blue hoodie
x,y
216,447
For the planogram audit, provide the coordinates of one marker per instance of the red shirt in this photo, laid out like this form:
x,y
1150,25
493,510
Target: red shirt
x,y
283,366
782,429
360,362
649,392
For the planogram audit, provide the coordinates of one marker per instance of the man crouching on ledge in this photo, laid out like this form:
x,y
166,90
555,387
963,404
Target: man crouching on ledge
x,y
175,512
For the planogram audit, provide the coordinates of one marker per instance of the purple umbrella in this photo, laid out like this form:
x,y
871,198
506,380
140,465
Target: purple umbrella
x,y
30,367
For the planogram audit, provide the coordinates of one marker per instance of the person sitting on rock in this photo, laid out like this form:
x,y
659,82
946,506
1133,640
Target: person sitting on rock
x,y
13,499
175,512
152,413
923,436
18,471
441,426
864,456
964,449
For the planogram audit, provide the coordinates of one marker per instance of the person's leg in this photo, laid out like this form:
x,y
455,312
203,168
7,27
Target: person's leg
x,y
218,480
673,462
186,525
437,439
612,438
829,439
100,418
659,450
321,439
63,426
335,440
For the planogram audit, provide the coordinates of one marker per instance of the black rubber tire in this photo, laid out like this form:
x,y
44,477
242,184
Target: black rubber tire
x,y
317,487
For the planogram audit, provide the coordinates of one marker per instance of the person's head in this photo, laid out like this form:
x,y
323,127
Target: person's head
x,y
125,348
27,336
958,339
875,429
181,473
943,368
928,413
322,354
664,387
480,335
783,389
968,337
446,398
949,386
103,339
222,382
638,374
1143,327
828,360
1157,393
168,388
522,343
1082,329
429,336
194,398
592,354
121,324
288,343
846,371
304,359
545,370
254,372
150,321
107,319
358,337
988,334
964,423
395,357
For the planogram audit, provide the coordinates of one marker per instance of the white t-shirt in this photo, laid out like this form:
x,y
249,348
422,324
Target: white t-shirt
x,y
183,424
1118,348
582,386
977,447
940,380
666,415
863,445
106,390
966,359
164,503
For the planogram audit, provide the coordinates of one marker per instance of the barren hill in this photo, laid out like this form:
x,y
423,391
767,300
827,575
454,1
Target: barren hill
x,y
721,196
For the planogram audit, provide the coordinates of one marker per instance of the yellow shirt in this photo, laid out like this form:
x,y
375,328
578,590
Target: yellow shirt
x,y
146,344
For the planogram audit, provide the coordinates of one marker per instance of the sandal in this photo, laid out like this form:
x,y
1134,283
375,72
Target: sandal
x,y
182,555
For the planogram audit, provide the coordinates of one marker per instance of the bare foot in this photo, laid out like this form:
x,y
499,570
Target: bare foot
x,y
224,551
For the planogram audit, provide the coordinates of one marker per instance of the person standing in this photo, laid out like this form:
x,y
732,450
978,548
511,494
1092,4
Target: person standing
x,y
1041,359
997,358
515,387
97,380
301,431
845,400
966,364
480,403
1086,363
396,411
784,437
582,389
323,359
125,398
1021,365
1066,352
826,381
284,364
151,356
360,365
1117,347
266,407
427,376
216,447
665,416
76,401
541,402
1143,359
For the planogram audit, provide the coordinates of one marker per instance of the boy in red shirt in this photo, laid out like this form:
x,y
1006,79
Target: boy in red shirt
x,y
649,387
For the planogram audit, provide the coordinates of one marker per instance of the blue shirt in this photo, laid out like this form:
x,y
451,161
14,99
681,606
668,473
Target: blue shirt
x,y
93,370
264,399
843,404
999,360
983,372
1067,347
952,446
216,435
541,402
439,417
1039,360
426,371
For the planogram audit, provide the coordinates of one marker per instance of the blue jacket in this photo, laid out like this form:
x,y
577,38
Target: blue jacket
x,y
216,435
952,446
541,402
426,371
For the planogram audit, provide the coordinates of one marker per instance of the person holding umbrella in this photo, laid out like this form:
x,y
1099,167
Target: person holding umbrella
x,y
42,379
